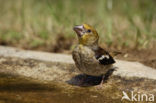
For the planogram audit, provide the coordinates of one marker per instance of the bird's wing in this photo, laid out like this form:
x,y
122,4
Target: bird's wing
x,y
103,57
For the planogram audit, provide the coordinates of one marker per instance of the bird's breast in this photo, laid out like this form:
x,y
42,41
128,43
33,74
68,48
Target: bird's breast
x,y
86,62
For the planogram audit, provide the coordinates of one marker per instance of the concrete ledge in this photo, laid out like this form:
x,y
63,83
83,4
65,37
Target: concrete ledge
x,y
125,68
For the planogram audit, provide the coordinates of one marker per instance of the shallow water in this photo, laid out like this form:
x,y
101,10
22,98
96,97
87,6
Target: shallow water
x,y
15,89
49,84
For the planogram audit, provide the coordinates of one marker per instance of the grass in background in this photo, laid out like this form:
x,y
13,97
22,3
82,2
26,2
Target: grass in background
x,y
40,23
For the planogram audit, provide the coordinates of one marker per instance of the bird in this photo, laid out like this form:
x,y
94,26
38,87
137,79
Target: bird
x,y
88,56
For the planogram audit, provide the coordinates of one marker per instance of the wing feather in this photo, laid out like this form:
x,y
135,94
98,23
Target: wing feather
x,y
103,57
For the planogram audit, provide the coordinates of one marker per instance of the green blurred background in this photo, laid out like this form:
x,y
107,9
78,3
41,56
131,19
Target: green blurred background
x,y
47,24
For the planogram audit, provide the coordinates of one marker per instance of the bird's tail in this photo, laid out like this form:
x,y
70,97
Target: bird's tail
x,y
115,53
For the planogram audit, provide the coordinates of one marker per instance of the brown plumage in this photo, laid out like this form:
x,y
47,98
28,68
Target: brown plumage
x,y
89,58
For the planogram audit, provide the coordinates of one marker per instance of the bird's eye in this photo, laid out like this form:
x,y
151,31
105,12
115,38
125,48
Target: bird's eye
x,y
88,30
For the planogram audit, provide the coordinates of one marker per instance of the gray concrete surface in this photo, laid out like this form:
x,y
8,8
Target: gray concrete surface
x,y
125,68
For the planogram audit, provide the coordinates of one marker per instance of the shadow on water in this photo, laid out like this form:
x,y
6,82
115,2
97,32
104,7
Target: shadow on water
x,y
18,89
17,83
84,80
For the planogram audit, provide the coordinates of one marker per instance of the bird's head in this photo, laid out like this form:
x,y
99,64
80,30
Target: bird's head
x,y
87,35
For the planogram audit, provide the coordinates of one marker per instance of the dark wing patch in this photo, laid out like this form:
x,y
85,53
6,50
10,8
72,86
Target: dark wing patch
x,y
104,57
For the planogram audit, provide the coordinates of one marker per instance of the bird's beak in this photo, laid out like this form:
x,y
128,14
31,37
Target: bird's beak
x,y
79,29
